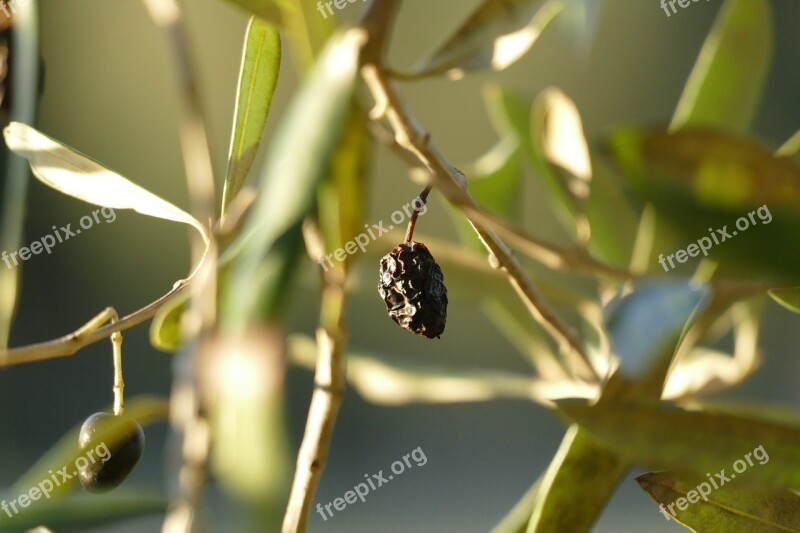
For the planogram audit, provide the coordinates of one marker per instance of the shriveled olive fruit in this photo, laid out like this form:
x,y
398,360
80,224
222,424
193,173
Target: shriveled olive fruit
x,y
117,443
412,287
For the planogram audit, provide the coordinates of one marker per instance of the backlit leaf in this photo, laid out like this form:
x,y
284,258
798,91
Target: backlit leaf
x,y
76,175
496,35
258,76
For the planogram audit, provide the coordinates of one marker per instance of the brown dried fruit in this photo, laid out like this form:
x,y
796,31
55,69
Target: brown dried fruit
x,y
412,286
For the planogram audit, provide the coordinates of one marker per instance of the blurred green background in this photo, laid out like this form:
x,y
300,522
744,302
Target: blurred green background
x,y
109,92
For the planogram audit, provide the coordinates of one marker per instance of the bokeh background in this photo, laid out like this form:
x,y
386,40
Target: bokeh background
x,y
110,93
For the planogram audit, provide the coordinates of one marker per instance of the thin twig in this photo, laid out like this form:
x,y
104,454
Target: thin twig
x,y
75,341
410,135
423,197
329,385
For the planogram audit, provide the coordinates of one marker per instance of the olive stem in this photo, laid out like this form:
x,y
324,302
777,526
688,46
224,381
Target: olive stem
x,y
119,384
423,197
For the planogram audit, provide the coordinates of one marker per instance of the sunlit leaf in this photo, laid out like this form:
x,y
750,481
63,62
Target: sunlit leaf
x,y
582,471
731,507
258,76
72,173
165,328
561,154
271,241
495,184
656,436
496,35
725,86
388,380
788,298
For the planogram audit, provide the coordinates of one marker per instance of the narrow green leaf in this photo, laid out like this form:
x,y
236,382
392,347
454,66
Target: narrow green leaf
x,y
165,328
788,298
341,196
732,507
271,241
258,77
495,185
72,173
612,218
657,436
577,484
82,513
725,86
496,35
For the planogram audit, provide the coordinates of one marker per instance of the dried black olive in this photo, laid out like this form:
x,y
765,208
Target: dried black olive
x,y
412,286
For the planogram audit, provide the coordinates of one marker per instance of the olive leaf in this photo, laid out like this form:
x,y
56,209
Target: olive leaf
x,y
654,435
731,507
702,180
561,154
725,86
496,35
258,77
582,470
270,243
74,174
